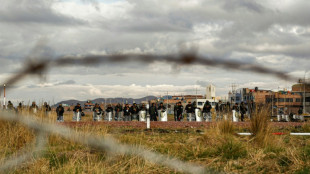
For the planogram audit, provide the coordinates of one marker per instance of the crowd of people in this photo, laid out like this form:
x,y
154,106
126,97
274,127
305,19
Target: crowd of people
x,y
33,108
136,112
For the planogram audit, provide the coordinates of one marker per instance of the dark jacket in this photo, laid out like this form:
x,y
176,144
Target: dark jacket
x,y
126,111
47,108
109,109
161,107
179,110
206,108
97,109
60,111
118,108
134,110
236,108
153,111
189,108
76,108
243,109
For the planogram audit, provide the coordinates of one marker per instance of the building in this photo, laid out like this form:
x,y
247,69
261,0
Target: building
x,y
210,91
286,101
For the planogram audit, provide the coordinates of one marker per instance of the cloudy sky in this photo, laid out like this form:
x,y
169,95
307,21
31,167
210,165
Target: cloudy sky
x,y
270,33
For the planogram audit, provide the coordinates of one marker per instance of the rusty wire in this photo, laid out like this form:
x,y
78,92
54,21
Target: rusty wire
x,y
40,67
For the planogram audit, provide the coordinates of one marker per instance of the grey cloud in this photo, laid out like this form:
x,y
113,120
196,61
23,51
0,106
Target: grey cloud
x,y
94,3
33,11
68,82
202,83
252,6
243,31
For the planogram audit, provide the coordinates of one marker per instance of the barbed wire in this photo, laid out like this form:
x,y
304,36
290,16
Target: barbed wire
x,y
100,142
24,156
39,67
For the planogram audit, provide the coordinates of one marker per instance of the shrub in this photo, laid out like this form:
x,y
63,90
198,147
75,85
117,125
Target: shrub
x,y
259,126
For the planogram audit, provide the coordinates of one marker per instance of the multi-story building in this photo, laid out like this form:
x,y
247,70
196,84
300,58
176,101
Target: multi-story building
x,y
304,91
286,101
246,95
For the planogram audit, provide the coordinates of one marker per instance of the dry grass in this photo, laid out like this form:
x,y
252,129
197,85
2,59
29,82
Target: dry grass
x,y
259,127
217,148
226,127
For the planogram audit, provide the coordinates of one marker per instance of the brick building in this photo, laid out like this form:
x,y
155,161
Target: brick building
x,y
304,91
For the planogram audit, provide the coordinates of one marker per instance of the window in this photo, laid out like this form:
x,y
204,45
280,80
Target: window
x,y
288,100
200,103
280,99
298,100
307,99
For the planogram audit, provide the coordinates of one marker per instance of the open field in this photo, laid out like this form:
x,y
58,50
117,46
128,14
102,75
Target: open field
x,y
215,146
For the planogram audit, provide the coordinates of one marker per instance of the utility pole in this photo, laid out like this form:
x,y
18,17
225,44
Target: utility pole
x,y
4,102
271,104
304,96
167,101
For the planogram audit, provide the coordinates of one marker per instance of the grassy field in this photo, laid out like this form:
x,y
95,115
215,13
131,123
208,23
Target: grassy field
x,y
217,147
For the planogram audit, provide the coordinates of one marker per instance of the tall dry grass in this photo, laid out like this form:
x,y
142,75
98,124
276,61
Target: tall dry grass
x,y
218,148
260,127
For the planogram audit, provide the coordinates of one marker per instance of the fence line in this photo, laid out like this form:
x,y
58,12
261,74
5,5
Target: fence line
x,y
99,142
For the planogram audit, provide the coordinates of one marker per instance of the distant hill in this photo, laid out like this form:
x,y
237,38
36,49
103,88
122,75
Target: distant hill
x,y
108,100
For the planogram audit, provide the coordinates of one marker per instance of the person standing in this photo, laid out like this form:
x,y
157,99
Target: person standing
x,y
190,111
134,112
97,112
109,113
153,112
179,111
243,110
60,113
20,108
77,112
46,109
175,108
219,111
235,110
207,111
127,113
10,106
33,108
118,112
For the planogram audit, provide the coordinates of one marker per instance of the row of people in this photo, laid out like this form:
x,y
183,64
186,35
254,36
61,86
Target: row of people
x,y
33,108
128,113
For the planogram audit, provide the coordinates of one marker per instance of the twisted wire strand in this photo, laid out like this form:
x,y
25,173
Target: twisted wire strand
x,y
40,66
23,156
